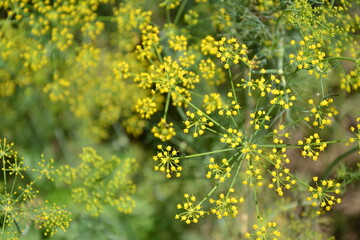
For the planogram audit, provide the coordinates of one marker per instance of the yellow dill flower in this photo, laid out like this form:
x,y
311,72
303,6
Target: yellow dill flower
x,y
168,161
164,131
198,121
149,42
207,69
233,137
322,113
191,212
264,231
191,17
284,98
323,194
259,119
99,182
312,146
219,171
212,102
230,51
254,84
146,107
208,46
52,219
253,176
178,42
225,205
170,4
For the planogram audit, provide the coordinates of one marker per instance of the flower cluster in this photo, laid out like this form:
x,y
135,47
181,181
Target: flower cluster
x,y
225,205
280,134
192,212
178,43
97,182
198,121
212,102
229,109
217,171
356,132
264,231
281,177
312,146
149,42
323,194
51,219
146,107
282,98
322,113
309,56
168,161
164,131
17,201
254,84
258,119
253,176
233,137
230,51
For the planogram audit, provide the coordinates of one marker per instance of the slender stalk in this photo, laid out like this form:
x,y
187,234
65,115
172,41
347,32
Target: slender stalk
x,y
180,11
256,203
4,172
236,173
207,153
209,194
207,116
211,130
339,58
158,54
167,105
322,88
279,146
168,17
232,85
330,168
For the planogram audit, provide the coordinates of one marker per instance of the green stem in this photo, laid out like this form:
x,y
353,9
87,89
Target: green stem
x,y
232,118
207,153
256,203
13,185
158,54
4,173
209,194
236,173
279,146
273,71
339,58
330,168
211,130
322,87
181,113
168,18
232,85
207,116
167,105
179,13
263,120
299,146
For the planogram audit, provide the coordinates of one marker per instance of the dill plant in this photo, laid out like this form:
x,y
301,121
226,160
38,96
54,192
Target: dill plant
x,y
235,95
21,203
251,96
